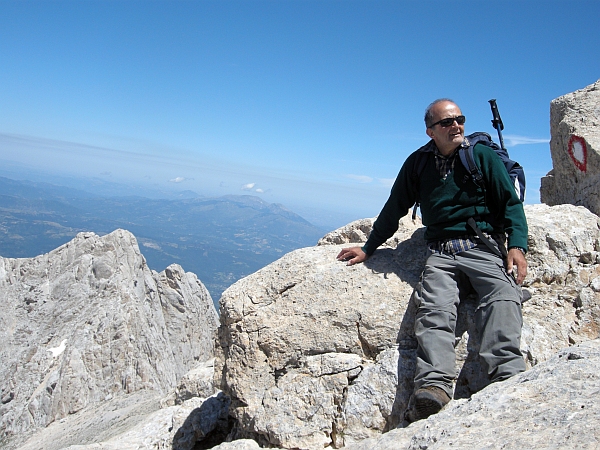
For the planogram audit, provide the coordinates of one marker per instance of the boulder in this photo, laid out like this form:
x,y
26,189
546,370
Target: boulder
x,y
315,353
89,325
575,150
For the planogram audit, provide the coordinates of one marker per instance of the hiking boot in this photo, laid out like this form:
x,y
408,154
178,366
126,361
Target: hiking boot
x,y
429,400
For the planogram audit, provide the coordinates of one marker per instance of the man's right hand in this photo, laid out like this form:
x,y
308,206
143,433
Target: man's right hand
x,y
353,255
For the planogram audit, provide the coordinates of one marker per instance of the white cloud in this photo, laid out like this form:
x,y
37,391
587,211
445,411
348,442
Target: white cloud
x,y
260,191
248,187
512,140
360,178
388,182
177,180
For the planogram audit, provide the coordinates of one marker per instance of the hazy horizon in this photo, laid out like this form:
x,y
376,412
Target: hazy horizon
x,y
311,104
109,185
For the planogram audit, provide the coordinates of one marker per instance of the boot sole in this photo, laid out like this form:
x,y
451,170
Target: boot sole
x,y
427,405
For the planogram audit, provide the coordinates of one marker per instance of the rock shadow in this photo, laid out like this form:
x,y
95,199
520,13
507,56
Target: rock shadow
x,y
206,426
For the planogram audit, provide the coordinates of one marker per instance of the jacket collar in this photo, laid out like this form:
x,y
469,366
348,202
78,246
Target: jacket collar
x,y
431,147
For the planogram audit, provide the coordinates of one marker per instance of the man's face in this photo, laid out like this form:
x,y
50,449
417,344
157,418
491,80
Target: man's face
x,y
446,138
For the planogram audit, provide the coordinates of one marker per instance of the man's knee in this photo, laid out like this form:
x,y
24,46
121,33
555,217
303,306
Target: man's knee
x,y
434,320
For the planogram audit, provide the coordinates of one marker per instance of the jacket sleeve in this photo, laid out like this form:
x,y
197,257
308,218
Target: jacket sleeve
x,y
502,198
402,197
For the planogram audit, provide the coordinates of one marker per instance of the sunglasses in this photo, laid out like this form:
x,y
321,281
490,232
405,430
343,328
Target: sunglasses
x,y
445,123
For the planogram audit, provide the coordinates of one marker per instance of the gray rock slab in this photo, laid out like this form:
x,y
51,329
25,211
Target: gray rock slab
x,y
143,419
88,323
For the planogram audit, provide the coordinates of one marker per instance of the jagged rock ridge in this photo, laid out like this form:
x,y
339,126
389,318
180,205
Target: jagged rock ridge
x,y
89,323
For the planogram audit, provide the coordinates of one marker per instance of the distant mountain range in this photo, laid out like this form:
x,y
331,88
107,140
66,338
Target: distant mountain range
x,y
220,239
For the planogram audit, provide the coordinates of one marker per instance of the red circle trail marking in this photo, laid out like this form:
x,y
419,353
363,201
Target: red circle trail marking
x,y
578,152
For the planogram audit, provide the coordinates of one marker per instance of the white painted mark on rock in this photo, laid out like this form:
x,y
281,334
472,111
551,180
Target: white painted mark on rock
x,y
578,152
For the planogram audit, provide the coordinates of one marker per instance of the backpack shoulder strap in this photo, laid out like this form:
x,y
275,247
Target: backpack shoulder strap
x,y
419,165
422,154
514,169
466,157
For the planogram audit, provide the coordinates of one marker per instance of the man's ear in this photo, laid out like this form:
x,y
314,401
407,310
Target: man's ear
x,y
429,132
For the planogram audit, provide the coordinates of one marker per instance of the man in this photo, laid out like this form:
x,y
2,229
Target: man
x,y
459,261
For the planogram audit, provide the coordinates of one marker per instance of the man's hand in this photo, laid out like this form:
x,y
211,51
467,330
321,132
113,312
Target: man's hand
x,y
353,255
516,261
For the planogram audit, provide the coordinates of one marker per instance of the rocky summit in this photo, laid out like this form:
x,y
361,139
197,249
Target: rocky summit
x,y
102,353
551,406
316,353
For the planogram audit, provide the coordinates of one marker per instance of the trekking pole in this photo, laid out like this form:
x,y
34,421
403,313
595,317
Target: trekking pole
x,y
497,121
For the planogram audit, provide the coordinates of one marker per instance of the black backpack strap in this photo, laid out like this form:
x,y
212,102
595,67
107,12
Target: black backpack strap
x,y
418,167
502,253
466,157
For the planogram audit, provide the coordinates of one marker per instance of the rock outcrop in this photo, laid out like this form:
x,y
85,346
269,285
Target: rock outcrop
x,y
552,405
144,420
575,150
316,353
89,327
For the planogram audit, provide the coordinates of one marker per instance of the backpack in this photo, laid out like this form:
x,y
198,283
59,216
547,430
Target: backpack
x,y
514,169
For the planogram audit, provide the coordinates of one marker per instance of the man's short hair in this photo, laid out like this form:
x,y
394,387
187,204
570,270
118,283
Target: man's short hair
x,y
428,115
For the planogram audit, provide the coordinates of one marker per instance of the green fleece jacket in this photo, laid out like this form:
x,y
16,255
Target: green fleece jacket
x,y
447,203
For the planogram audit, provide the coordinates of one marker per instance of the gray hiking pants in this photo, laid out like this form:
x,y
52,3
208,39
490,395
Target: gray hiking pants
x,y
498,316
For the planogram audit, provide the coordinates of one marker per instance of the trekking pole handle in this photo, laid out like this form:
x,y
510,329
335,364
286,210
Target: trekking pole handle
x,y
497,121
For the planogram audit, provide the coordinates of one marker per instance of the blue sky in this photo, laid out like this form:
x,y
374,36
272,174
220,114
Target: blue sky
x,y
313,104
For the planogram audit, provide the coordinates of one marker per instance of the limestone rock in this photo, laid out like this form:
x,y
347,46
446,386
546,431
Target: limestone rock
x,y
354,232
358,231
314,352
552,405
100,353
198,382
130,423
288,378
575,150
100,422
90,323
177,421
240,444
